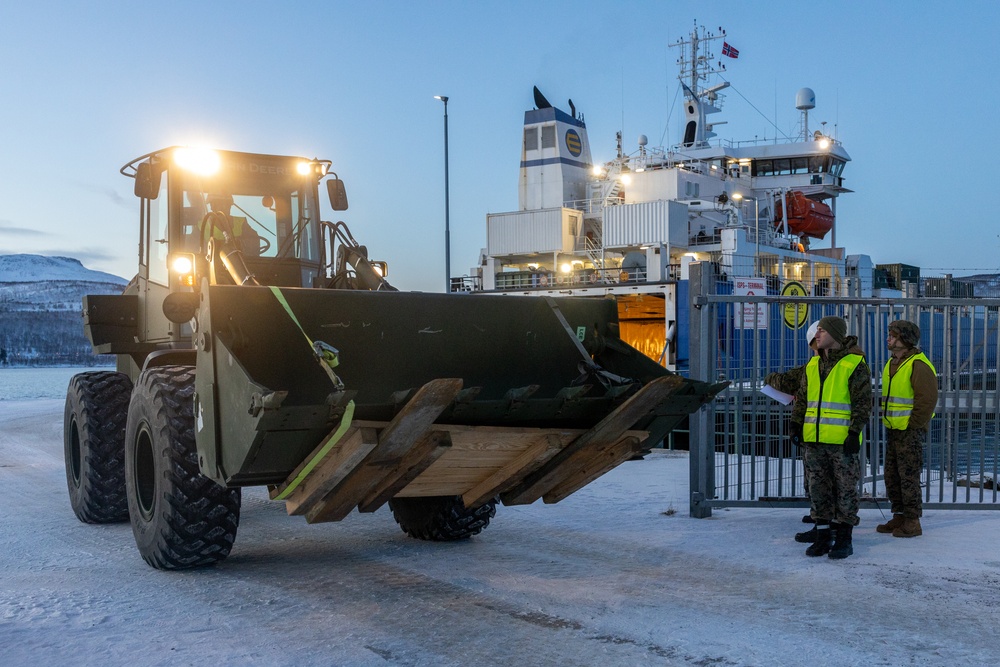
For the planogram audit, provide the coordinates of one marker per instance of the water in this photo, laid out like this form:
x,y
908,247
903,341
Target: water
x,y
29,383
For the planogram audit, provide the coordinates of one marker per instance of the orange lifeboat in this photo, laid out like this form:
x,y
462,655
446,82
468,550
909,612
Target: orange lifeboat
x,y
806,217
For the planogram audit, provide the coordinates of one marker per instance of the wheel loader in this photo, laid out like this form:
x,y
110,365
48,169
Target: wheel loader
x,y
258,345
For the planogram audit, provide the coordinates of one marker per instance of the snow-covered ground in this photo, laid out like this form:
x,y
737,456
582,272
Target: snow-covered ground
x,y
618,574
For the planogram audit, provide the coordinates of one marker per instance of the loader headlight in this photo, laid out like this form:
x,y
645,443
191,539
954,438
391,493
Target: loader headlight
x,y
304,168
182,266
202,161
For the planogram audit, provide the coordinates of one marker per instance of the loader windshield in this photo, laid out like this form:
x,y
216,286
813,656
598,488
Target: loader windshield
x,y
273,215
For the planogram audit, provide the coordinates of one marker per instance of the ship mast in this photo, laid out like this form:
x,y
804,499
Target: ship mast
x,y
696,65
695,61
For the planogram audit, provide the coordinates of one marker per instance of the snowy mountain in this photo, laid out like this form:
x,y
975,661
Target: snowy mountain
x,y
36,268
41,306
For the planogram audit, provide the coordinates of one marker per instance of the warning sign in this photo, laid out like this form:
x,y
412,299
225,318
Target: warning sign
x,y
754,315
794,314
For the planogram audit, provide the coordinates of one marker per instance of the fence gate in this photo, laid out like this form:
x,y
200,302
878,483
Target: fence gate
x,y
740,454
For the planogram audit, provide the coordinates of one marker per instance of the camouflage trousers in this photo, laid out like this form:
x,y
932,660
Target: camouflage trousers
x,y
833,484
904,459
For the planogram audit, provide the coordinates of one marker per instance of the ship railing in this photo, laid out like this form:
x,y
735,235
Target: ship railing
x,y
576,279
466,284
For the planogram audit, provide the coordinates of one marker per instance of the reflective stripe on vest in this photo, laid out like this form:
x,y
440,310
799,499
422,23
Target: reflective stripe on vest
x,y
898,394
828,415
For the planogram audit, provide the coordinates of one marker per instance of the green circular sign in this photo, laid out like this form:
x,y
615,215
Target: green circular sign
x,y
794,314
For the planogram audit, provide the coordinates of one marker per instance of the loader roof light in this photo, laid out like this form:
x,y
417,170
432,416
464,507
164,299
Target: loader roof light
x,y
316,166
201,161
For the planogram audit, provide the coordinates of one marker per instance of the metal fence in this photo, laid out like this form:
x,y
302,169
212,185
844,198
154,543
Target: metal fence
x,y
740,454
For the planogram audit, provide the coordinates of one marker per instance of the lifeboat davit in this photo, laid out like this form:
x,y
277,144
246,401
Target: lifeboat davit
x,y
806,217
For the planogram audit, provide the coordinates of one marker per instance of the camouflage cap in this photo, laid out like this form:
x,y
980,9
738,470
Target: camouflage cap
x,y
906,331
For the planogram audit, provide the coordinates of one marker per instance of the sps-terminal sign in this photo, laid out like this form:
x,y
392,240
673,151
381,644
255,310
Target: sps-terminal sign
x,y
754,315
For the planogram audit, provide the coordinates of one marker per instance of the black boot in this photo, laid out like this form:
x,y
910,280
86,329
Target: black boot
x,y
823,541
808,519
808,537
843,546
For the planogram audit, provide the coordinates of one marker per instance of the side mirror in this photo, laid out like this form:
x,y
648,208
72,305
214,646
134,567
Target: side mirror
x,y
338,194
147,181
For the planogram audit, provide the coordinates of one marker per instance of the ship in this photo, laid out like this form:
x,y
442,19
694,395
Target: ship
x,y
763,212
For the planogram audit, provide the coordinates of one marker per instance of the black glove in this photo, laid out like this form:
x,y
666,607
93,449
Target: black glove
x,y
853,443
795,434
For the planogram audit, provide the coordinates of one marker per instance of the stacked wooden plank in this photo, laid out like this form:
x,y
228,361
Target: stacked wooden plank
x,y
414,456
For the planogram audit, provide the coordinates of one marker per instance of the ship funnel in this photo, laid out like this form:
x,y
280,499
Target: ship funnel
x,y
555,157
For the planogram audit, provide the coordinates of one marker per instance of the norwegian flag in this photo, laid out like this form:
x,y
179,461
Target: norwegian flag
x,y
731,51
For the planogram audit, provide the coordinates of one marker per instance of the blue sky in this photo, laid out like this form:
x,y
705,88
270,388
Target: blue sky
x,y
85,87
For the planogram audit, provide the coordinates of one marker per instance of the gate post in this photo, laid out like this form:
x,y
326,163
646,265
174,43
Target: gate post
x,y
701,347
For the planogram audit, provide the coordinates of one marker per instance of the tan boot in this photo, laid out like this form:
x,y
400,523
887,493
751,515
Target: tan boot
x,y
910,528
892,524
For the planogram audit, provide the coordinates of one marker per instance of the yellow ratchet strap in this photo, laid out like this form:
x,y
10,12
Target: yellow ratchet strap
x,y
329,359
331,440
327,355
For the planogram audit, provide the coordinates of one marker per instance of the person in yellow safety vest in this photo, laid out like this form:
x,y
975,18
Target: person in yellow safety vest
x,y
831,409
242,232
909,394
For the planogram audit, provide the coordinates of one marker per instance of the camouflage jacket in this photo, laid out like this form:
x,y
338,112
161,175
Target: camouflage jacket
x,y
788,381
859,385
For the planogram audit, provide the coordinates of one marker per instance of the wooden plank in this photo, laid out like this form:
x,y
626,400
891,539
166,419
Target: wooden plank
x,y
397,438
529,460
608,431
427,450
318,453
345,456
607,459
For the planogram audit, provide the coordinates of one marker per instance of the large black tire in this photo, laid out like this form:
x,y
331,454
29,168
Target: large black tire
x,y
440,518
94,445
180,518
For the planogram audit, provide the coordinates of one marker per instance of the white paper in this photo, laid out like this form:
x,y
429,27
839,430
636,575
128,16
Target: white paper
x,y
779,396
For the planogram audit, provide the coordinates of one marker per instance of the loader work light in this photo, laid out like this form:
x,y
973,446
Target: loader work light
x,y
202,161
318,167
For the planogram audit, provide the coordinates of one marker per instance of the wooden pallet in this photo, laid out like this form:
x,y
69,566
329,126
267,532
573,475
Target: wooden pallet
x,y
414,456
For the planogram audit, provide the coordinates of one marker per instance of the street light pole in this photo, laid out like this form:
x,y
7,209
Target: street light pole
x,y
447,221
756,234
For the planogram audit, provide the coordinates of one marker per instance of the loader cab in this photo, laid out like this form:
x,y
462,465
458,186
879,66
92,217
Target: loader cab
x,y
271,205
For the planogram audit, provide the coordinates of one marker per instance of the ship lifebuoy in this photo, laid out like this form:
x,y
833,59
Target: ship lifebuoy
x,y
543,279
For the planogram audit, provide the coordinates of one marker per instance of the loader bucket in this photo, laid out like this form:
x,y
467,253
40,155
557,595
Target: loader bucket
x,y
514,362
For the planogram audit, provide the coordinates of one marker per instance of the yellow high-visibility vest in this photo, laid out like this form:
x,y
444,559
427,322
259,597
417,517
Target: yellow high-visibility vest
x,y
898,394
828,414
238,222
